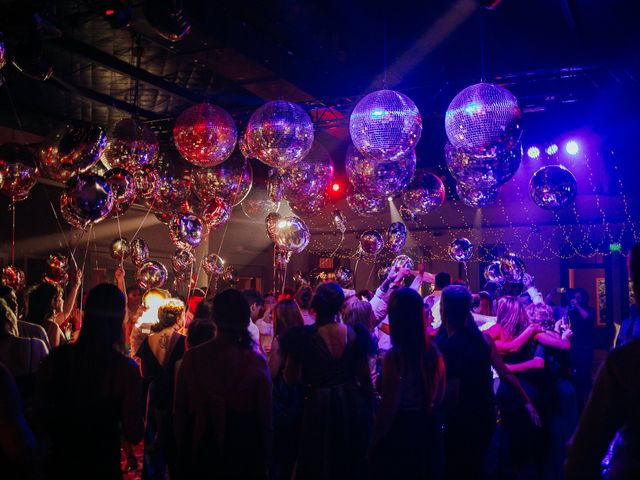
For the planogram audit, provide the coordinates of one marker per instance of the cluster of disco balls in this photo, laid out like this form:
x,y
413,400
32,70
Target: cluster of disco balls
x,y
385,128
484,150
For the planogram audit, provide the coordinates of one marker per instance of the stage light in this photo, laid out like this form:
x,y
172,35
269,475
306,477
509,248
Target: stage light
x,y
335,187
552,149
390,198
572,147
533,152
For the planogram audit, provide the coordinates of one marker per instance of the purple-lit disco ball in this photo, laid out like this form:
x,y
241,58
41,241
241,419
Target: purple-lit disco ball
x,y
461,249
205,135
424,194
292,234
379,178
484,171
87,199
371,242
279,134
310,177
553,187
475,197
231,180
186,230
131,145
151,274
363,205
481,117
385,124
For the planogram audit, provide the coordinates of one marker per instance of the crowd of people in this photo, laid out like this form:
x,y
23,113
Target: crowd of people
x,y
417,380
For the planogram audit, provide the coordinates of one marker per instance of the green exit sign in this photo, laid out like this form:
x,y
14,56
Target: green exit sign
x,y
615,247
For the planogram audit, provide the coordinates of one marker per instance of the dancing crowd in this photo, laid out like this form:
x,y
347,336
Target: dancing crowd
x,y
419,379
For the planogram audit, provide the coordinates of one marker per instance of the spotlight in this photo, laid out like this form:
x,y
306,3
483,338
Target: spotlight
x,y
572,147
335,187
390,198
552,149
533,152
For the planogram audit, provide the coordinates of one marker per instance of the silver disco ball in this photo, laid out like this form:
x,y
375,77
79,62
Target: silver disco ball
x,y
481,117
476,197
279,134
385,124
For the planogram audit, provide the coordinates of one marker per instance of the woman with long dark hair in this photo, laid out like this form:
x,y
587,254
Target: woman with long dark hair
x,y
44,304
222,408
332,367
407,440
89,394
158,355
287,399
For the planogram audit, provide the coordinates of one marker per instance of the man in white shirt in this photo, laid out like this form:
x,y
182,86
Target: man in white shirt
x,y
255,301
442,280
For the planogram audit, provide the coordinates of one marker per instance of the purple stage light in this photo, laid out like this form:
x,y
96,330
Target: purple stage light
x,y
533,152
552,149
572,147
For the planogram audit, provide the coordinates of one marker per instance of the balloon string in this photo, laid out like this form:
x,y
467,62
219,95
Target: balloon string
x,y
284,277
339,245
369,277
355,272
275,278
64,235
84,260
13,232
144,219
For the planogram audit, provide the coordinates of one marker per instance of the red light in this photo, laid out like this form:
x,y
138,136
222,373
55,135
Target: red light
x,y
109,12
335,187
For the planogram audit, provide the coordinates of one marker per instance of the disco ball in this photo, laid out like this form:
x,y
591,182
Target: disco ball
x,y
553,187
231,180
486,171
308,207
385,124
424,194
476,197
131,145
379,178
205,135
279,134
482,116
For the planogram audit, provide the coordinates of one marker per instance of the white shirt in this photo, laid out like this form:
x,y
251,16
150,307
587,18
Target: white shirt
x,y
435,307
266,334
254,332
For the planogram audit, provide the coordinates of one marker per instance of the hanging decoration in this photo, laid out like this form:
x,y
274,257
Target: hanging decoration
x,y
461,250
132,145
213,265
344,277
120,249
365,206
310,177
292,234
231,180
205,135
424,194
385,125
512,268
553,187
18,170
371,242
475,197
492,272
139,252
86,200
482,117
72,150
123,186
396,237
280,134
186,230
151,274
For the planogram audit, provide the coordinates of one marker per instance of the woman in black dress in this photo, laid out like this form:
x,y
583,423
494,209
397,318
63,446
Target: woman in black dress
x,y
158,355
337,411
407,439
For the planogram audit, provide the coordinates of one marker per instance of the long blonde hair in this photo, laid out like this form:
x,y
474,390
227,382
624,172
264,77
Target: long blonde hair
x,y
511,316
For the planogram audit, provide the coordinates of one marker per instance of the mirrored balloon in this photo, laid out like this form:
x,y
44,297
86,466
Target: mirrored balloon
x,y
230,275
151,274
139,251
339,220
216,213
72,150
402,261
231,180
406,214
123,186
131,146
344,277
18,170
461,250
213,264
486,171
310,177
271,222
119,249
186,230
475,197
492,272
371,242
424,194
292,234
512,268
553,187
13,277
258,205
396,236
147,182
182,260
379,178
364,206
275,186
308,207
88,199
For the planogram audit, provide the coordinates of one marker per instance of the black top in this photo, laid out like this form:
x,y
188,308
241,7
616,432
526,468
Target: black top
x,y
467,359
160,378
